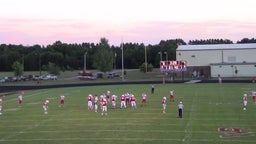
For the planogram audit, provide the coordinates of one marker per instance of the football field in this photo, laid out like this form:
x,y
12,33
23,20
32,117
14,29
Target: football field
x,y
213,114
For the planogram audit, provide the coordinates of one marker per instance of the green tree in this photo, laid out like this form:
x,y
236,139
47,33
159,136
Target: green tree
x,y
18,69
53,69
148,69
103,58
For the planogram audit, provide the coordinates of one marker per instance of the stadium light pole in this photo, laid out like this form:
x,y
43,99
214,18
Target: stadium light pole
x,y
85,54
166,56
122,48
146,62
160,53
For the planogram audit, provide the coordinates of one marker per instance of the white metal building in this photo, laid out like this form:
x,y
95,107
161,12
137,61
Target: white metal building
x,y
226,60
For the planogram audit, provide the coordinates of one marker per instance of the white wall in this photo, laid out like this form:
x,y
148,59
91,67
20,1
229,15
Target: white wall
x,y
207,57
229,70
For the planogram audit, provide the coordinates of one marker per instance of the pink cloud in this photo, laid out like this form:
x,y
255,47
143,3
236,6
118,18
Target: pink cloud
x,y
41,31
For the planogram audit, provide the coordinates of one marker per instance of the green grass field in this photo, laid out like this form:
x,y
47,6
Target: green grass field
x,y
208,107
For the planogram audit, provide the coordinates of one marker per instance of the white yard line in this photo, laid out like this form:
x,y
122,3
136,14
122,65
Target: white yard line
x,y
124,139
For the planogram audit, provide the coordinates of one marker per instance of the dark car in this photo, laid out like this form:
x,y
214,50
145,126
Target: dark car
x,y
100,74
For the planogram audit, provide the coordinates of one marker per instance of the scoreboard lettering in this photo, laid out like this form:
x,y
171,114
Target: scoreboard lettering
x,y
173,66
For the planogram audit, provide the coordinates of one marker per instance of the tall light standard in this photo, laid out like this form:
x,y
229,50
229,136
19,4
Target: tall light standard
x,y
160,53
115,61
166,56
122,47
146,61
85,61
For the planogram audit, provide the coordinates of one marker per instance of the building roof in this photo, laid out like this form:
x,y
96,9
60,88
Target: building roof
x,y
216,47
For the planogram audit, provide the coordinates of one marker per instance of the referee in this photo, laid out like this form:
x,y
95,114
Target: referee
x,y
180,109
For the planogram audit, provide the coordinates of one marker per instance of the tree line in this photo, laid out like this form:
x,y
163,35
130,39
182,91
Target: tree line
x,y
100,56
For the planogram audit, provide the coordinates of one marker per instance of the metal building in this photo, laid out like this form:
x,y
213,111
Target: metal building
x,y
226,60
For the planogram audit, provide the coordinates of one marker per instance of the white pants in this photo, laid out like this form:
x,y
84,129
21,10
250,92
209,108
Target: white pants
x,y
123,104
114,103
245,103
104,109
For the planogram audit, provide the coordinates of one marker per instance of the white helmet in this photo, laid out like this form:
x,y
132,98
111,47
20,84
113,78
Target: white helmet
x,y
47,101
164,98
0,100
245,95
180,102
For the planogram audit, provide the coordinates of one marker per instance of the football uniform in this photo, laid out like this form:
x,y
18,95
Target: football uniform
x,y
89,101
20,98
45,107
62,100
144,98
164,104
1,106
133,102
123,104
172,95
113,99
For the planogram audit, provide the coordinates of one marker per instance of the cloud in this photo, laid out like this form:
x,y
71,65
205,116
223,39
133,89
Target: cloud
x,y
47,31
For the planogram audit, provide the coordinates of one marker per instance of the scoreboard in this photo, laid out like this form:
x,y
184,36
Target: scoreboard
x,y
173,66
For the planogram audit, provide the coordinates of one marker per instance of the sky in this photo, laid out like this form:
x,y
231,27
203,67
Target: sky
x,y
43,22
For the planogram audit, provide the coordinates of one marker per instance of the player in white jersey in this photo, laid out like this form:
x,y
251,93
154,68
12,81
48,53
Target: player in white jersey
x,y
123,103
45,106
164,104
144,99
133,102
96,103
113,99
62,100
1,106
172,95
245,99
20,99
108,95
89,101
104,107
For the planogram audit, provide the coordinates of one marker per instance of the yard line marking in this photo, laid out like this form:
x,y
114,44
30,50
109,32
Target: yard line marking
x,y
29,95
123,139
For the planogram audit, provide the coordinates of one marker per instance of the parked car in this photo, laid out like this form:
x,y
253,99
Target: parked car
x,y
112,75
86,75
2,80
50,77
100,75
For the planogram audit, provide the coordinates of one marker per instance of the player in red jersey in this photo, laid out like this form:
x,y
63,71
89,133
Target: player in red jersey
x,y
45,106
133,102
62,100
164,104
96,103
127,98
89,101
20,99
113,99
123,103
254,96
245,101
108,95
104,107
1,106
172,95
144,99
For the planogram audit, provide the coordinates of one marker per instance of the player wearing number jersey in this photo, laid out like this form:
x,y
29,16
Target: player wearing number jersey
x,y
164,104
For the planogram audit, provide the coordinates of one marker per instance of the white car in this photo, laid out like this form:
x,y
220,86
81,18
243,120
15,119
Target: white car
x,y
2,80
50,77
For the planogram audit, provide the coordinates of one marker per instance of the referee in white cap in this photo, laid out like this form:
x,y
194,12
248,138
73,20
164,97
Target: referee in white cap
x,y
180,109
